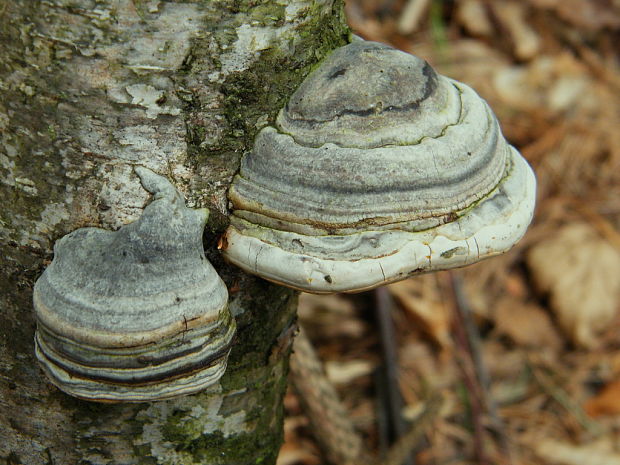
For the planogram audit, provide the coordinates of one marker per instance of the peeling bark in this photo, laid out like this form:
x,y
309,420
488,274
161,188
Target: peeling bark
x,y
91,88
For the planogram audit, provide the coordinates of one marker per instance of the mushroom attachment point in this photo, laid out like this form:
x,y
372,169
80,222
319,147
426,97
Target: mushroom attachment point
x,y
377,168
138,314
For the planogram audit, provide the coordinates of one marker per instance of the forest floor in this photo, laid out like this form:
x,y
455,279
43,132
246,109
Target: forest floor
x,y
547,311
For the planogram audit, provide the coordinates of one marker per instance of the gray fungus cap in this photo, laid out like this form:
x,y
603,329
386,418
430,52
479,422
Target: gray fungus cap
x,y
137,314
378,168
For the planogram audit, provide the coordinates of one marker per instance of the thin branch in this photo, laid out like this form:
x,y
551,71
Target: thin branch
x,y
330,422
472,387
402,448
552,389
383,309
464,316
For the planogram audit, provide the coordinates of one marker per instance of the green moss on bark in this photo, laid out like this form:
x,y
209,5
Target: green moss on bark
x,y
261,444
253,97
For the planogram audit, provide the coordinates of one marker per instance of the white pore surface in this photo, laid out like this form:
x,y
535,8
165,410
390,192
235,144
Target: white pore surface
x,y
489,228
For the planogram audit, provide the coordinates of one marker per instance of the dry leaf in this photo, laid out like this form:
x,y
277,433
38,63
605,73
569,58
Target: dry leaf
x,y
345,372
330,316
421,369
581,273
412,15
431,313
527,325
473,15
500,361
556,83
606,402
293,454
587,14
564,453
525,40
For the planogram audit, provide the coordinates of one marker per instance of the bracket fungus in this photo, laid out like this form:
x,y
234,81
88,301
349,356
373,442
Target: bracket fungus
x,y
138,314
378,168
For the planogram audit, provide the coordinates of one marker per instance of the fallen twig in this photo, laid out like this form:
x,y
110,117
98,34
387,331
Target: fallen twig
x,y
553,390
408,441
383,310
331,425
484,381
478,382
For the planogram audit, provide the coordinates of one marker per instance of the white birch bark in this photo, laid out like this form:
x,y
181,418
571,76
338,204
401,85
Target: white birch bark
x,y
90,89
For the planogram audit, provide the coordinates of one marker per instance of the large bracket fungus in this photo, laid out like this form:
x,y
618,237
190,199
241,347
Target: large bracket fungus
x,y
378,168
138,314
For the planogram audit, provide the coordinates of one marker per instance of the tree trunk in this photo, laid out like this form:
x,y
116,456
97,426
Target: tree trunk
x,y
89,89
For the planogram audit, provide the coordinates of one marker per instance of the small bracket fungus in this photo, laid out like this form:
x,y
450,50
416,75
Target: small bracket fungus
x,y
138,314
378,168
